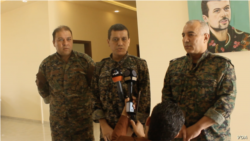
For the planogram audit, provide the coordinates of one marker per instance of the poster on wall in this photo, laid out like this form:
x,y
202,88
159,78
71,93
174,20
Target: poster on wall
x,y
228,23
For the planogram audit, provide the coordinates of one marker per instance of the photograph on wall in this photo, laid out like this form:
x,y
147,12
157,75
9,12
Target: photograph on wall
x,y
228,23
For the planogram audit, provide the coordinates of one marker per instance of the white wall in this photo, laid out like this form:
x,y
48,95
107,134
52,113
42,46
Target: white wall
x,y
24,44
160,26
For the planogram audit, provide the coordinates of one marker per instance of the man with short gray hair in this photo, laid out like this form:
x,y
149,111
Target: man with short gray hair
x,y
204,86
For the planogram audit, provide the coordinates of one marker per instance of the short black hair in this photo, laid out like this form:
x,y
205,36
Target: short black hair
x,y
204,7
117,27
59,28
166,121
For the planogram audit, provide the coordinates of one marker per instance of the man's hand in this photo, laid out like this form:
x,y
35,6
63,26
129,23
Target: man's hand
x,y
138,128
192,132
124,109
106,130
130,132
195,130
182,133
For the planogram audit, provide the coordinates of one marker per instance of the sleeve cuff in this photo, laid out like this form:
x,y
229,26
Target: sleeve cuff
x,y
46,100
214,115
98,114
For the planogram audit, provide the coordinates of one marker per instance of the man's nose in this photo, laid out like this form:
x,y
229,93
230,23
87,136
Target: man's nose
x,y
120,42
65,42
185,39
224,13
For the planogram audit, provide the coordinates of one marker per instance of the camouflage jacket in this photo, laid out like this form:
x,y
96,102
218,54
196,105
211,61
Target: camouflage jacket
x,y
106,102
236,41
67,86
205,89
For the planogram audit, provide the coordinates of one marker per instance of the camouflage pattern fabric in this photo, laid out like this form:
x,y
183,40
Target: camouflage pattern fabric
x,y
207,89
236,41
67,85
106,102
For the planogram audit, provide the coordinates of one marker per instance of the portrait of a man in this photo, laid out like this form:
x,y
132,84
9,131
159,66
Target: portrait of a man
x,y
223,36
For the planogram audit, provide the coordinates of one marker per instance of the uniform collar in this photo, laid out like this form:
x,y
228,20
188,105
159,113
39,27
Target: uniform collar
x,y
72,56
121,61
190,61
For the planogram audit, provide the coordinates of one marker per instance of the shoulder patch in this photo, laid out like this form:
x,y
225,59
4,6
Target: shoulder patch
x,y
177,58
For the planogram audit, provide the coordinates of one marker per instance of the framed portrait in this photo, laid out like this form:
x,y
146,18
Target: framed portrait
x,y
228,23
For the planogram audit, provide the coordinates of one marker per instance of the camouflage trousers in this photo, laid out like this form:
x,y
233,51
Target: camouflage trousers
x,y
64,130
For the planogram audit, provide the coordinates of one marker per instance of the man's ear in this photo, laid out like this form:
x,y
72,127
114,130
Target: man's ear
x,y
206,37
147,121
147,126
128,41
205,18
108,41
53,43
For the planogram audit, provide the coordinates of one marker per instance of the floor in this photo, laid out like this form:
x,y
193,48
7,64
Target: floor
x,y
13,129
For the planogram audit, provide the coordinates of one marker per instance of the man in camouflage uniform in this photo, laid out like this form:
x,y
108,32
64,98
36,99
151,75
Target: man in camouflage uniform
x,y
106,103
223,37
63,81
204,86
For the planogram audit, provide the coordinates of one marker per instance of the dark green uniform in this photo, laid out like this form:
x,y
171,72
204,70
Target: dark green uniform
x,y
236,41
207,88
106,102
66,87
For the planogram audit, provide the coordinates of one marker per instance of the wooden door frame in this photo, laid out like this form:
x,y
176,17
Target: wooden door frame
x,y
138,50
87,46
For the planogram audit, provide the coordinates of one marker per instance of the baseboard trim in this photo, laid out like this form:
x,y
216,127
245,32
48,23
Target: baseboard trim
x,y
46,122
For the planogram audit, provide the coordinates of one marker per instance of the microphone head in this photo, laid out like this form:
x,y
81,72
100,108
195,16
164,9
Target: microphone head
x,y
116,75
130,75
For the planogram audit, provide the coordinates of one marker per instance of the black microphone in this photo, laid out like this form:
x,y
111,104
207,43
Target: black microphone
x,y
130,77
117,78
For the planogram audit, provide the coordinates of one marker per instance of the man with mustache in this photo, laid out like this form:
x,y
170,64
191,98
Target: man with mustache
x,y
107,106
204,86
223,37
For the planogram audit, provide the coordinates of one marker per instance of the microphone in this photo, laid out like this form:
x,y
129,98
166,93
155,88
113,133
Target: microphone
x,y
130,77
117,78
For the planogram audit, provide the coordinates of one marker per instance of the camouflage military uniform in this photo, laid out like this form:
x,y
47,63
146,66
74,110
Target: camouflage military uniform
x,y
106,102
67,87
236,41
207,89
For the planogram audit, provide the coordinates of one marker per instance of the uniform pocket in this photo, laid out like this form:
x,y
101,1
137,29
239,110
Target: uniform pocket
x,y
177,85
206,89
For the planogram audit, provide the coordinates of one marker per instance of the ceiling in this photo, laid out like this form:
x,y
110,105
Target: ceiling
x,y
10,5
126,8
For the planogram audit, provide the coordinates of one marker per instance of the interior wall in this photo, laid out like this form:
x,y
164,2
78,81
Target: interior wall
x,y
91,27
161,41
24,44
